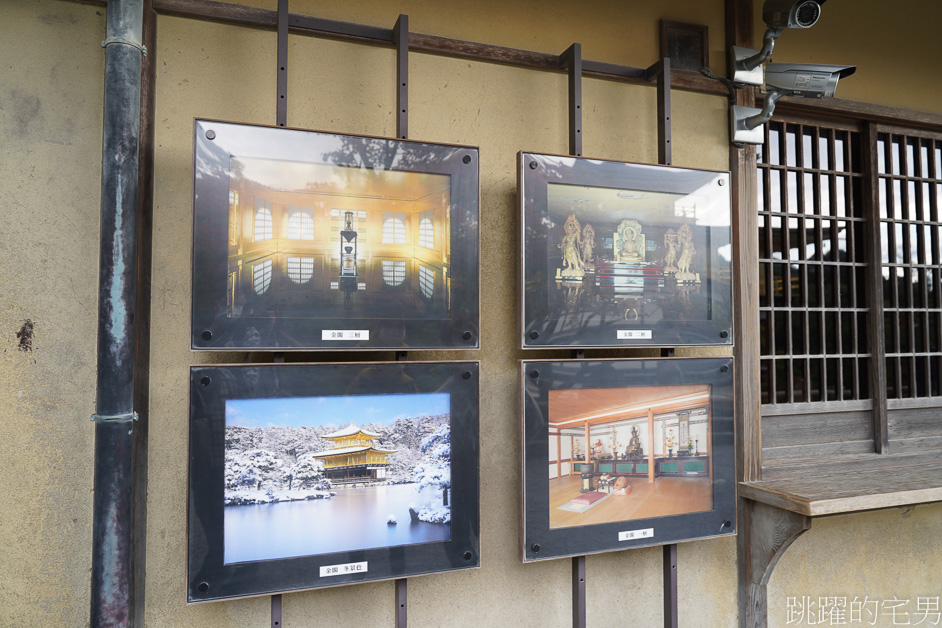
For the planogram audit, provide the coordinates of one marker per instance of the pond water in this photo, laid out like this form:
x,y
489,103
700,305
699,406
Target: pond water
x,y
354,519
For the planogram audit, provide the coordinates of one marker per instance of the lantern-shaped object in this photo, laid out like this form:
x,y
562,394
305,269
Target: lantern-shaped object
x,y
587,469
348,247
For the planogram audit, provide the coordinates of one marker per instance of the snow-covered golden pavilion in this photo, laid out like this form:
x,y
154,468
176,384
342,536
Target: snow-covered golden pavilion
x,y
353,456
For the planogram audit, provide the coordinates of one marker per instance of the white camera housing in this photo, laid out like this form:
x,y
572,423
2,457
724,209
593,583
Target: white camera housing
x,y
805,80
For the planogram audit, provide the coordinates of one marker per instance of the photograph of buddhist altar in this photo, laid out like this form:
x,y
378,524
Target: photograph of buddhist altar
x,y
354,235
624,453
620,254
617,454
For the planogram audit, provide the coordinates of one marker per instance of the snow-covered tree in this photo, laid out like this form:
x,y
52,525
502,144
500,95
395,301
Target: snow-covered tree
x,y
308,471
251,467
436,470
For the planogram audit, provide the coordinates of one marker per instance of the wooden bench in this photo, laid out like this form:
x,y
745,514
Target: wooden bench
x,y
777,511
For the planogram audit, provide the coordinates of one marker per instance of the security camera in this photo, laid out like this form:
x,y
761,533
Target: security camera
x,y
805,80
778,15
791,13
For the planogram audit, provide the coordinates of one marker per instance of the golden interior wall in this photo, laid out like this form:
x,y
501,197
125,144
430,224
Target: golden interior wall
x,y
50,125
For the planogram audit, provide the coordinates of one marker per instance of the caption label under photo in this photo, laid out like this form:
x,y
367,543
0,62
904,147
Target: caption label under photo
x,y
339,570
631,535
634,334
345,334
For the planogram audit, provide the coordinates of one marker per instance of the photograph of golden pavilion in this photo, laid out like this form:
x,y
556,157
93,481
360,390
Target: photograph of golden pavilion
x,y
353,457
311,239
617,454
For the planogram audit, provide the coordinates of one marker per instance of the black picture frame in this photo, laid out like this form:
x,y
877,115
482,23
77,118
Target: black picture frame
x,y
660,273
369,546
613,396
306,240
686,43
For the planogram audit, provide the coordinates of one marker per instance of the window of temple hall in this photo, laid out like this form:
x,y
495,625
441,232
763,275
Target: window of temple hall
x,y
426,281
263,220
426,230
818,238
261,276
233,217
394,228
300,269
300,223
812,300
909,180
394,272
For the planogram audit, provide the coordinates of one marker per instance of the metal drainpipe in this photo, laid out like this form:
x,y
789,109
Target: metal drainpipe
x,y
111,526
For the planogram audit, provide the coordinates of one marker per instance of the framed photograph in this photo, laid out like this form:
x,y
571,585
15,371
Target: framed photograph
x,y
619,255
310,240
304,476
625,453
686,43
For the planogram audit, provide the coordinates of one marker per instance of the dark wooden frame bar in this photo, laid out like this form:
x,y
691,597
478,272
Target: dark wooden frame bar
x,y
223,12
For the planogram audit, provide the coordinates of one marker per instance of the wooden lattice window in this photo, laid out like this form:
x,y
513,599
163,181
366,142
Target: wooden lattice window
x,y
813,303
909,174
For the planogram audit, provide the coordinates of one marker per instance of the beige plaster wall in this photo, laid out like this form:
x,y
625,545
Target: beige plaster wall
x,y
50,112
50,176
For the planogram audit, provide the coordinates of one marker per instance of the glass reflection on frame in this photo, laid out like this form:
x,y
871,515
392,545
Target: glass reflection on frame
x,y
300,232
618,254
312,475
620,454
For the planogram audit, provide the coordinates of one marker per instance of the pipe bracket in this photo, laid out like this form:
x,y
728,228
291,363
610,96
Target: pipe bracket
x,y
115,418
126,42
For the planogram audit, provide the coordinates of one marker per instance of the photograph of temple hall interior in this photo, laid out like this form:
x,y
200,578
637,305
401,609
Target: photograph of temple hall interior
x,y
326,241
617,454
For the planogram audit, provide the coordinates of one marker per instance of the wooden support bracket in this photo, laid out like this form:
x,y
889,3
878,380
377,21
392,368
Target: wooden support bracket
x,y
765,532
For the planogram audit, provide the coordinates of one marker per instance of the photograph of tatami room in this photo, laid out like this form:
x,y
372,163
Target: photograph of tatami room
x,y
617,454
317,240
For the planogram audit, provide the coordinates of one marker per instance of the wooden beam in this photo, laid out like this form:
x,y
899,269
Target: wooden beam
x,y
687,80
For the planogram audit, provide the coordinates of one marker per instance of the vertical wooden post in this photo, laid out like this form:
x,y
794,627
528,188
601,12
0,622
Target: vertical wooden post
x,y
670,585
276,611
402,584
876,337
281,104
664,113
746,387
402,599
142,301
572,60
401,39
578,592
